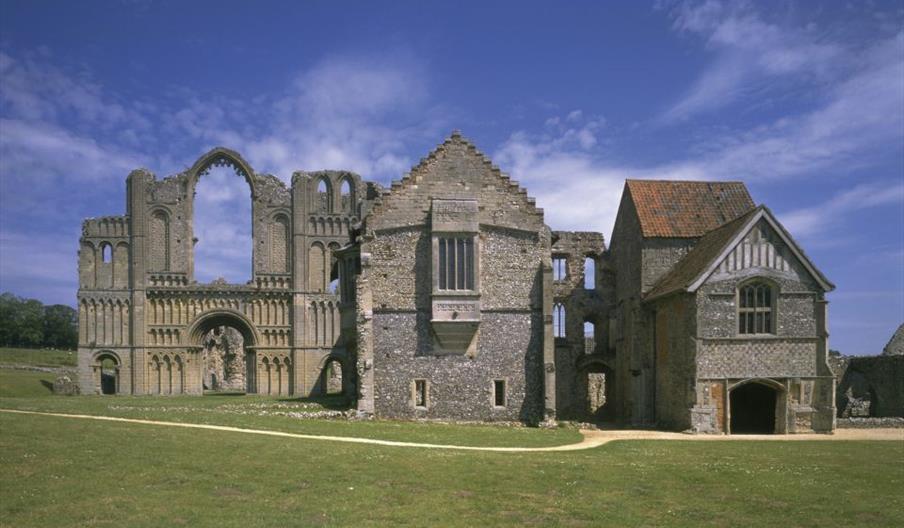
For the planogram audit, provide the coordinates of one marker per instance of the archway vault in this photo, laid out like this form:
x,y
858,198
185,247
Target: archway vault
x,y
223,317
218,157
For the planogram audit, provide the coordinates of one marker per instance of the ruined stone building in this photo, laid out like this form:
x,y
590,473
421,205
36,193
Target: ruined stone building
x,y
446,296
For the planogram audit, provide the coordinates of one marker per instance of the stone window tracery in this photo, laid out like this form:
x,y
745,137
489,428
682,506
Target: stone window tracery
x,y
455,263
756,314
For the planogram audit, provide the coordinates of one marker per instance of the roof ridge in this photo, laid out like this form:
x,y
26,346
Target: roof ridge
x,y
655,180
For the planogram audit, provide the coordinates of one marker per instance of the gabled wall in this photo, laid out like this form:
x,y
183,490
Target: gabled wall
x,y
399,340
794,356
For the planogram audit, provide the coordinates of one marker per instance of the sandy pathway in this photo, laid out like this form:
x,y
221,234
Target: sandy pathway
x,y
592,438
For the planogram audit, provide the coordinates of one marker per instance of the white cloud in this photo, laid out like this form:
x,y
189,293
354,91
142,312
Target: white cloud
x,y
819,218
860,119
749,53
37,149
561,169
67,139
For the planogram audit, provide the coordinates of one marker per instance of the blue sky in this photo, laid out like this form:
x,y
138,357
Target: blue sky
x,y
803,101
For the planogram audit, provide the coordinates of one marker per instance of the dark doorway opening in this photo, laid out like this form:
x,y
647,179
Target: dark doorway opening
x,y
753,409
108,383
107,375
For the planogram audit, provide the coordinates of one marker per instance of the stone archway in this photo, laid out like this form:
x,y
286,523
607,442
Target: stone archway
x,y
226,340
106,372
332,376
754,407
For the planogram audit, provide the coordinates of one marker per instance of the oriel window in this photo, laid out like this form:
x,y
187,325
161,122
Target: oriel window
x,y
455,264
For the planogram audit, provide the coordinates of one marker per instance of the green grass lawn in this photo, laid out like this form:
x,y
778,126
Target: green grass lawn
x,y
38,356
24,383
62,472
24,390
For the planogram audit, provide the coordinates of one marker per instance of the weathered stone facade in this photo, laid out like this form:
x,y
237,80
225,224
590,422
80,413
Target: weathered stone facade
x,y
446,296
451,311
141,309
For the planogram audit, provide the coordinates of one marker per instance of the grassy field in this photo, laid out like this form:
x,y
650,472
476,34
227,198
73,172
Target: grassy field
x,y
38,357
64,472
25,391
23,383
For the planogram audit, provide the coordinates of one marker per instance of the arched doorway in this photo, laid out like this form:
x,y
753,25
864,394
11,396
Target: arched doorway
x,y
106,372
228,359
108,376
753,408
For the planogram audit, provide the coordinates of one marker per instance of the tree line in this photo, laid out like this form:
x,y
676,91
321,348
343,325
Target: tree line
x,y
29,323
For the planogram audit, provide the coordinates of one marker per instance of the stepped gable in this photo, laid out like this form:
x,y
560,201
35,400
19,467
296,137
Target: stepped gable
x,y
416,174
686,209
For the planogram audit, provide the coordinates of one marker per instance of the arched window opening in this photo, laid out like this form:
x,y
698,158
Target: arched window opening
x,y
756,314
106,251
589,337
222,226
346,196
324,196
589,273
558,320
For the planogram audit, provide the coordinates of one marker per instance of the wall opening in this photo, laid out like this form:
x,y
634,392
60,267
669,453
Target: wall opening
x,y
420,393
333,377
323,197
108,375
600,406
752,408
106,253
499,393
559,268
345,196
222,226
589,337
558,320
589,273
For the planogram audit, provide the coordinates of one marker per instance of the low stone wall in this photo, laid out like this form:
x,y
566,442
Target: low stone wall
x,y
869,386
869,423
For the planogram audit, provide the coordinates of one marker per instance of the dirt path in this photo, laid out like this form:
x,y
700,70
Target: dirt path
x,y
592,438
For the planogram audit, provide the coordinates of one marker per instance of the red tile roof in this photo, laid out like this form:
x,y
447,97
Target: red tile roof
x,y
686,209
